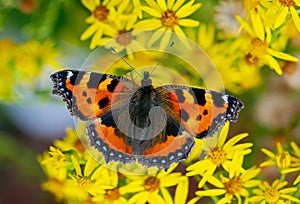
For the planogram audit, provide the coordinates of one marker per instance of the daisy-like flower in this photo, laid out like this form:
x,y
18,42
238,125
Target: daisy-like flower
x,y
259,50
235,186
167,16
286,7
228,154
56,157
94,178
152,188
282,159
100,20
275,193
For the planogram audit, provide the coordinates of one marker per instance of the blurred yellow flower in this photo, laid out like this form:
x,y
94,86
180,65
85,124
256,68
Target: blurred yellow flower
x,y
235,186
282,159
295,162
227,154
167,15
22,64
70,142
275,193
286,6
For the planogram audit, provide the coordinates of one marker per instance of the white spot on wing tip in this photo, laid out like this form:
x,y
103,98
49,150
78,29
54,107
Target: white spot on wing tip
x,y
70,74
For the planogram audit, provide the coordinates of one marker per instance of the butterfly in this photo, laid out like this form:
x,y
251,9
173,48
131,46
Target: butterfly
x,y
156,126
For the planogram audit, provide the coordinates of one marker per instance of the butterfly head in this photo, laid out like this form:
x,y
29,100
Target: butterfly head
x,y
146,81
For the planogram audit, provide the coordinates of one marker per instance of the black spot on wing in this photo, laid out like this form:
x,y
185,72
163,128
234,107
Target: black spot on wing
x,y
199,96
103,102
89,100
107,119
198,117
173,128
111,87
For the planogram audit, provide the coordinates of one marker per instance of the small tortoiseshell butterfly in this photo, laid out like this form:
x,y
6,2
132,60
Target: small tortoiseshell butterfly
x,y
154,125
157,126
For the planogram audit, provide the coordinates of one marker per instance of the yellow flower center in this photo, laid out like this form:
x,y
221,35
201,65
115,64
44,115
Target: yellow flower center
x,y
217,156
257,49
234,185
271,195
151,184
283,160
251,4
124,37
101,13
79,147
169,19
84,182
112,194
287,3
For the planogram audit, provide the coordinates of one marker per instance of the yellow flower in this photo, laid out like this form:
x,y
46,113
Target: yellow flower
x,y
228,154
152,188
282,159
93,178
276,193
236,186
56,157
167,15
57,177
286,6
71,141
295,162
100,20
259,51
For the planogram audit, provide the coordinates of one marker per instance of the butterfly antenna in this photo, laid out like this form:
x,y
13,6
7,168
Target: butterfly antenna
x,y
115,52
164,55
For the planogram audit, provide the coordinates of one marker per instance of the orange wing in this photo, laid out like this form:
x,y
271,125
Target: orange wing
x,y
201,112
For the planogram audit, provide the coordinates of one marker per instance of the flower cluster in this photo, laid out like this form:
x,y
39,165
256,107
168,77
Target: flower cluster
x,y
253,35
21,65
74,176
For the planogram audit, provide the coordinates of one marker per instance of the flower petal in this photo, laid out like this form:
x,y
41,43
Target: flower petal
x,y
88,32
187,9
258,26
269,60
211,192
188,22
177,4
148,24
295,17
152,11
162,4
281,17
182,190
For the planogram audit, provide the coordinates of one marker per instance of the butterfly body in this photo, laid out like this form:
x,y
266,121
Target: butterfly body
x,y
156,125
